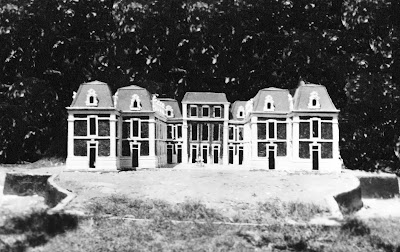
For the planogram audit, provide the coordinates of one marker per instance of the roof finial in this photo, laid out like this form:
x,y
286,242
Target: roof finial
x,y
301,82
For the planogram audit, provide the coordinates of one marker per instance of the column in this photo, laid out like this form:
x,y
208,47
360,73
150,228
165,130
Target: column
x,y
254,137
289,138
335,145
152,137
225,135
113,121
70,147
295,145
184,135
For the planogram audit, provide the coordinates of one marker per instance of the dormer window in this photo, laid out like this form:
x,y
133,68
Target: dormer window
x,y
206,111
240,112
91,98
269,103
135,103
313,102
169,111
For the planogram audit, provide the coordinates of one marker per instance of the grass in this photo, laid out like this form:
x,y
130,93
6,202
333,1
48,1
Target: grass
x,y
267,212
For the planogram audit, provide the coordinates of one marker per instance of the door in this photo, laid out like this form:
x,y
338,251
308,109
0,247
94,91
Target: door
x,y
179,154
215,154
271,157
92,155
240,155
315,158
135,155
231,153
194,153
169,154
205,154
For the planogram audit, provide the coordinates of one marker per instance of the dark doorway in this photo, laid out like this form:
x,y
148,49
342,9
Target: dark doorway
x,y
169,154
271,157
194,154
231,153
315,158
135,155
216,155
240,155
205,154
179,155
92,155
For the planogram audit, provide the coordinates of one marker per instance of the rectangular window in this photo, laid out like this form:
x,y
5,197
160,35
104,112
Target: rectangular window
x,y
326,150
204,133
206,111
262,149
144,148
304,149
304,130
80,148
215,132
217,112
194,131
144,129
261,131
281,149
326,130
80,128
230,132
104,127
179,129
126,130
104,147
193,110
315,128
169,132
135,128
240,133
281,130
92,126
126,149
271,130
116,128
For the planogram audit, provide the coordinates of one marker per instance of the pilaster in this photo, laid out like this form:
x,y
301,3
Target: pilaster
x,y
296,146
335,147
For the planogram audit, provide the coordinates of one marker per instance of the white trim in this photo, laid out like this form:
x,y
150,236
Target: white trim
x,y
269,103
168,108
91,94
135,98
314,98
240,112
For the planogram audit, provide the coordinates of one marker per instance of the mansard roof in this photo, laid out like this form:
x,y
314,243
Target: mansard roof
x,y
302,94
125,94
102,91
174,105
204,97
234,109
279,96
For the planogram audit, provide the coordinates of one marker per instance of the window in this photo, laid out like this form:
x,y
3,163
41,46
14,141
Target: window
x,y
126,149
326,150
326,130
313,102
80,127
281,150
204,133
240,133
269,103
216,132
304,130
261,130
206,111
91,98
144,129
169,132
281,130
135,103
240,112
193,111
194,131
92,126
262,149
80,147
217,112
104,147
144,148
271,130
169,110
230,132
315,129
135,128
104,127
304,151
179,129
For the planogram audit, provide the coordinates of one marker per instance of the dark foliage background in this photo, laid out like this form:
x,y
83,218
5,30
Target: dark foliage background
x,y
49,47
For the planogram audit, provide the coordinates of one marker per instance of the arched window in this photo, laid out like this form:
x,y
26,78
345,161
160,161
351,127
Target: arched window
x,y
313,102
169,111
269,103
91,98
135,103
240,112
